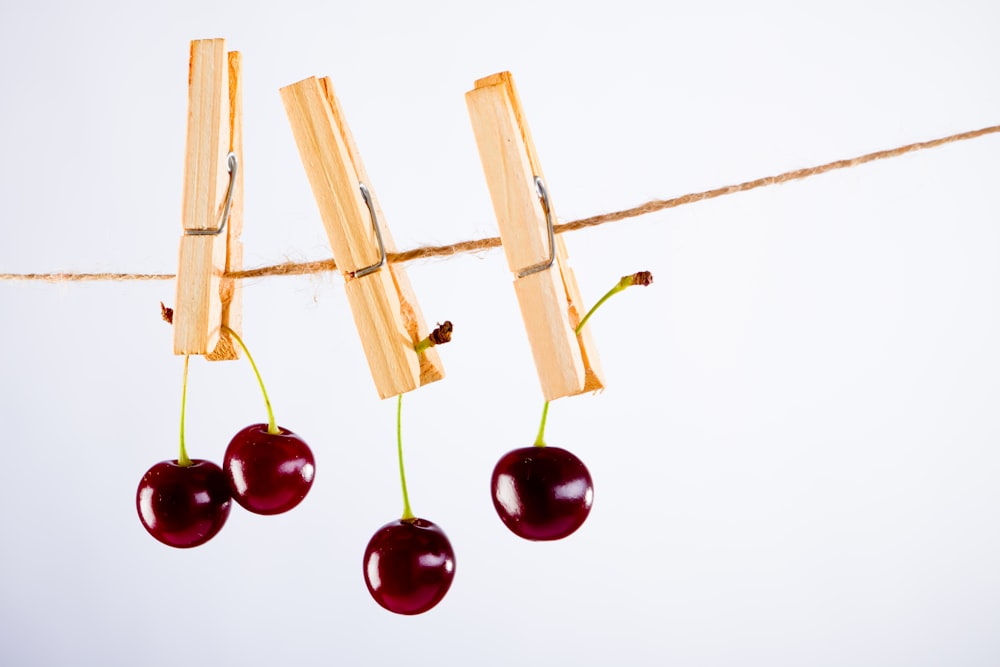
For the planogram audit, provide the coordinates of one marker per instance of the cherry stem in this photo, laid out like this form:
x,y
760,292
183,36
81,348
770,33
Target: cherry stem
x,y
183,459
272,426
407,512
641,278
540,440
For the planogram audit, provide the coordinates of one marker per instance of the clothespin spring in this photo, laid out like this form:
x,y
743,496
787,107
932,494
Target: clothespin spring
x,y
542,266
378,235
233,164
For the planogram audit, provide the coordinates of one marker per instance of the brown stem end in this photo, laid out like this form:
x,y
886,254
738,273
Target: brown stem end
x,y
441,335
642,278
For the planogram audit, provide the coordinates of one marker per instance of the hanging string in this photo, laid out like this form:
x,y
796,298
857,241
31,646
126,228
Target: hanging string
x,y
319,266
81,277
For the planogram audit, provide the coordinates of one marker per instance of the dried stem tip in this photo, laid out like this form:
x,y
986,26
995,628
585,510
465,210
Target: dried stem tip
x,y
642,278
439,336
167,314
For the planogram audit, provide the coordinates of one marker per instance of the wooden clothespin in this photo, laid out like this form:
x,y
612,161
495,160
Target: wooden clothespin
x,y
213,205
386,312
546,288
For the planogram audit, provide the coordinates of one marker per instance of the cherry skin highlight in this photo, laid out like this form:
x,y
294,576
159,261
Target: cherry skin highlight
x,y
409,565
542,493
183,506
268,473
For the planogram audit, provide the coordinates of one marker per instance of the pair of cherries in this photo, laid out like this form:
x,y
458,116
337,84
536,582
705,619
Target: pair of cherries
x,y
266,469
266,473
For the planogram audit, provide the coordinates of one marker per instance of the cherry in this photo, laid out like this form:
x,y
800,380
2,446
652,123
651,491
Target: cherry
x,y
183,505
268,473
542,493
409,565
269,468
545,493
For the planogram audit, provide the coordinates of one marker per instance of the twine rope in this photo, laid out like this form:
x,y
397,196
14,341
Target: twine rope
x,y
423,252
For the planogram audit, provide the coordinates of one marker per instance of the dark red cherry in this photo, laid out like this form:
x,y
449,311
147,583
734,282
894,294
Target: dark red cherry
x,y
542,493
268,473
183,506
409,565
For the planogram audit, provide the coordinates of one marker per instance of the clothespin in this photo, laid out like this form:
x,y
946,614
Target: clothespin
x,y
212,214
385,309
546,288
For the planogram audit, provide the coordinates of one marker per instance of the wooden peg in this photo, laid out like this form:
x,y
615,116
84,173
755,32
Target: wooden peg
x,y
386,312
205,299
550,300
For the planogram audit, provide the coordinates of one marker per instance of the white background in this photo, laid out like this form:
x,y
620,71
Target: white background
x,y
795,459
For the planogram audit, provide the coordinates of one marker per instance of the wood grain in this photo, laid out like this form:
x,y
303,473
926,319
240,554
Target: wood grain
x,y
230,289
431,368
550,301
202,259
385,310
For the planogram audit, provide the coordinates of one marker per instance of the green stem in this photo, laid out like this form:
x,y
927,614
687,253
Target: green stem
x,y
407,512
643,278
272,426
183,459
611,292
640,278
423,345
540,440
